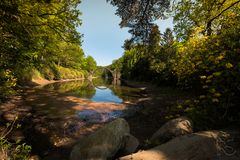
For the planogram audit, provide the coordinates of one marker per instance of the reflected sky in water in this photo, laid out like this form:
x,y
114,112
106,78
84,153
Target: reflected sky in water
x,y
98,90
105,95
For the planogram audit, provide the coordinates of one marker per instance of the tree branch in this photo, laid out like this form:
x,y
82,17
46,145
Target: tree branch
x,y
224,10
208,27
60,35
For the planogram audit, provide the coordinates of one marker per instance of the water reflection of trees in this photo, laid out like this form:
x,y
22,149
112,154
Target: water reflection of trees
x,y
123,92
87,89
81,88
102,82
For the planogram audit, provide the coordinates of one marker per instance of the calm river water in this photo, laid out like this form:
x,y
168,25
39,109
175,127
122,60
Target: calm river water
x,y
65,111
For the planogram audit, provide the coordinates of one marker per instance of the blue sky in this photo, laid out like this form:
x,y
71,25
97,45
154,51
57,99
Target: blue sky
x,y
103,38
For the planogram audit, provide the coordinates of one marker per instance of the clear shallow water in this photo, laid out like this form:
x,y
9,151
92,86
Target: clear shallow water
x,y
62,111
74,104
106,95
73,100
98,90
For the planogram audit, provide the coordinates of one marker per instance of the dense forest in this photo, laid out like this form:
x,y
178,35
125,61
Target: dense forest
x,y
201,54
39,40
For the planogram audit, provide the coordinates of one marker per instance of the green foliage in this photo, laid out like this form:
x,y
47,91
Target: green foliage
x,y
31,28
209,61
13,150
116,64
7,81
35,74
40,36
89,64
67,73
151,62
129,63
47,73
140,15
24,75
58,72
210,16
204,58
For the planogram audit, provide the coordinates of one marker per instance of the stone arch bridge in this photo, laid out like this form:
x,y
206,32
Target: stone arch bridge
x,y
116,74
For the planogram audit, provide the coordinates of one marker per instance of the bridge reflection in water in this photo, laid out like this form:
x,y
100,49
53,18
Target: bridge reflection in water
x,y
97,89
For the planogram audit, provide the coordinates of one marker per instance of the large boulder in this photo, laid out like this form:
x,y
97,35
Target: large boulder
x,y
130,145
104,143
206,145
173,128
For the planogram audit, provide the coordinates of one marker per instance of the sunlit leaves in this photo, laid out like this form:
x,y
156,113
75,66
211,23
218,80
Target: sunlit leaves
x,y
229,65
8,81
211,16
205,57
39,34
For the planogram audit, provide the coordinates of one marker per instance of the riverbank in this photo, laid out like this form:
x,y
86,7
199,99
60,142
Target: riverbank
x,y
55,134
159,106
42,82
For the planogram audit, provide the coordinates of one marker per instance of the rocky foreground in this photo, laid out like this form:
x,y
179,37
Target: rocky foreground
x,y
175,140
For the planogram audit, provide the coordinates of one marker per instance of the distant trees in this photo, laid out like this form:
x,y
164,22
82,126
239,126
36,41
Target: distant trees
x,y
149,61
90,64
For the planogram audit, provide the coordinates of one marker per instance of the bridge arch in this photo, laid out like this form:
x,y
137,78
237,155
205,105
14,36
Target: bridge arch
x,y
116,73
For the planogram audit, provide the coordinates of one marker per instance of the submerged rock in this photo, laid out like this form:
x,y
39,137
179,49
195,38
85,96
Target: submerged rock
x,y
102,144
95,116
92,116
173,128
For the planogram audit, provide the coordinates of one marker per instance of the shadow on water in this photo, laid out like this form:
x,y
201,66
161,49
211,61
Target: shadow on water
x,y
64,112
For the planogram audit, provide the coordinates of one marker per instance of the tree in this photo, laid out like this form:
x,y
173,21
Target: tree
x,y
90,64
207,16
167,38
154,39
28,27
208,59
139,15
32,31
68,55
127,44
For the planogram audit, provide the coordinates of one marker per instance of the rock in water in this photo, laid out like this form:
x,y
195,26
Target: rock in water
x,y
173,128
102,144
198,146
